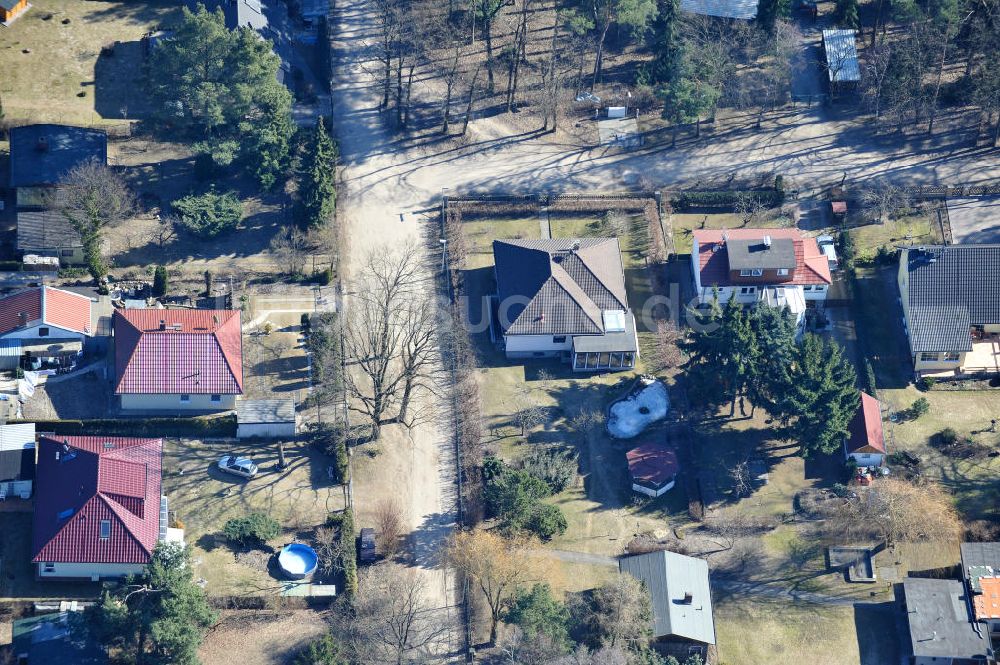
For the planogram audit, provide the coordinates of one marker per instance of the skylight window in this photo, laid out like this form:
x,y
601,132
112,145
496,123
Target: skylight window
x,y
614,320
105,529
65,514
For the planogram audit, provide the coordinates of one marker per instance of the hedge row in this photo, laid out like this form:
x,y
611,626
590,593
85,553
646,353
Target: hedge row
x,y
195,428
726,198
348,549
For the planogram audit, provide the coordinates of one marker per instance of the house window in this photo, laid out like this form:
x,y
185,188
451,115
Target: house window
x,y
185,398
43,332
216,398
559,339
782,272
807,288
49,568
66,252
747,290
757,272
928,357
951,356
744,273
105,529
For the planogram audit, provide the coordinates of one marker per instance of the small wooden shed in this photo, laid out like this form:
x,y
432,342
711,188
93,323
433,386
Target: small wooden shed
x,y
9,9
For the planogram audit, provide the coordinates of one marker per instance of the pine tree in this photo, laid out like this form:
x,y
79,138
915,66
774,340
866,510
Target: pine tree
x,y
769,11
160,282
774,343
318,186
846,13
666,44
161,619
818,395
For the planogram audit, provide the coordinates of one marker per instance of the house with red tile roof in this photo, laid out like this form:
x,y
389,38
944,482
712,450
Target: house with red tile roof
x,y
44,313
781,267
178,360
98,509
865,442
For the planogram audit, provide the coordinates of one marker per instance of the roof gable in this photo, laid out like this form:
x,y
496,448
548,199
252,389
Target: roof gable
x,y
84,481
44,304
173,351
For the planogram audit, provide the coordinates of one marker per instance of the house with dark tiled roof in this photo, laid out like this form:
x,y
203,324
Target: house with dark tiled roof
x,y
781,267
44,314
865,442
564,298
41,156
49,233
951,308
178,360
99,512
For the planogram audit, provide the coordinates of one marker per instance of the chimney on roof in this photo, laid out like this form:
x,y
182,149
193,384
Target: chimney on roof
x,y
576,245
725,237
42,144
215,319
163,324
22,318
767,241
688,598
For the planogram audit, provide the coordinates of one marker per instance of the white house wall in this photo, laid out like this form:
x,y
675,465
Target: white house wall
x,y
89,571
522,346
867,459
173,403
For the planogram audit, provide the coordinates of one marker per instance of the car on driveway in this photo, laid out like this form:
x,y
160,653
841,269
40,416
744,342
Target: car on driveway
x,y
238,466
366,546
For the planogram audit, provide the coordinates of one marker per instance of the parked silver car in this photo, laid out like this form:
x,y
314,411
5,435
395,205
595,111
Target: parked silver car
x,y
238,466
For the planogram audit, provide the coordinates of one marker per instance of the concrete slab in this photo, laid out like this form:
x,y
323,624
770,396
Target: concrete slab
x,y
619,132
975,220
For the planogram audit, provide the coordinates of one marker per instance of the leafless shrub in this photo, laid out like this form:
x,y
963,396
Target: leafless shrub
x,y
388,526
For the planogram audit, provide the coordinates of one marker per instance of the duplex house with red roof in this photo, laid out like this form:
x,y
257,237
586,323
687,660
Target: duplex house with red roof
x,y
781,267
45,313
178,360
98,509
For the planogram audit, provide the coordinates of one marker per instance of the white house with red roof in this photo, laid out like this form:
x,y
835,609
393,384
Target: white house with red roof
x,y
98,509
781,267
178,360
865,443
44,313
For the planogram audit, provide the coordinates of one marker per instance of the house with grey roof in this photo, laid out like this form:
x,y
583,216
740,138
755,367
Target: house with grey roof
x,y
981,570
49,233
564,298
951,308
683,623
41,156
940,625
735,9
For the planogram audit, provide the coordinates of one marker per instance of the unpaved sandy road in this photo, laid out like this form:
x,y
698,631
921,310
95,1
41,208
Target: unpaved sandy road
x,y
390,185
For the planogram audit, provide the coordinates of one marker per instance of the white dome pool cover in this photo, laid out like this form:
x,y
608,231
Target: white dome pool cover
x,y
644,405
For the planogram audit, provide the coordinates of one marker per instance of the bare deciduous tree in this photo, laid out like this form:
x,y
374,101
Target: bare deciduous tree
x,y
92,196
390,341
289,248
390,620
883,200
896,510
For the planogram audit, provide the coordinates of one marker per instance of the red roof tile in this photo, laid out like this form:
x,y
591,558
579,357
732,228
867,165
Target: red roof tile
x,y
811,266
652,462
865,429
55,307
196,351
96,479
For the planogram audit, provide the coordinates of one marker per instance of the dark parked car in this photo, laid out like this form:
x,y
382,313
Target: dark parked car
x,y
366,546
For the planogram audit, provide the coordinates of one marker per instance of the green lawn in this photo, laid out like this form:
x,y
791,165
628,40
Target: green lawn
x,y
920,227
63,77
779,632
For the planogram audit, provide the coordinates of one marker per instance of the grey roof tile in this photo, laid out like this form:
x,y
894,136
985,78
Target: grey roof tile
x,y
548,287
951,289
